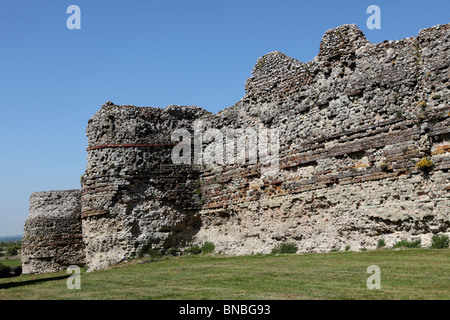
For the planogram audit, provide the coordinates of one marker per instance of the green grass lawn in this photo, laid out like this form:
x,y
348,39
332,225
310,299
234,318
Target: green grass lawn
x,y
11,262
405,274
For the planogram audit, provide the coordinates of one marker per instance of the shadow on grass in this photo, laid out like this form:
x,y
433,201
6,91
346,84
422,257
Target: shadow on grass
x,y
29,282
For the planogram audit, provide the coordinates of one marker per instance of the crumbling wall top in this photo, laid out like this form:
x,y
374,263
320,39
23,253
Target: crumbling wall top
x,y
55,203
125,124
341,41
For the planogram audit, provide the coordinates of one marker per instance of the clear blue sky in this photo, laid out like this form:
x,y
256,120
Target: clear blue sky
x,y
146,53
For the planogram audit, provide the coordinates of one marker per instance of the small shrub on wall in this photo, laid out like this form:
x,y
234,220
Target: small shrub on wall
x,y
425,165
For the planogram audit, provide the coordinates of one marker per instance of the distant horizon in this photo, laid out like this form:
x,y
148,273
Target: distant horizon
x,y
13,236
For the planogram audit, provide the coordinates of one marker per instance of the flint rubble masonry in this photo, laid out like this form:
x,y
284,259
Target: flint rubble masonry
x,y
52,238
352,124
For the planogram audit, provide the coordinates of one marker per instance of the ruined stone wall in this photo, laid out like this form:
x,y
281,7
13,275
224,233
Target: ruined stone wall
x,y
52,238
134,197
353,123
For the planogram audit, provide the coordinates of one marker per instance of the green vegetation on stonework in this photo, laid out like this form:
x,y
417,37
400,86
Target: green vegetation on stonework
x,y
381,243
208,247
440,242
195,249
408,244
285,248
405,274
384,167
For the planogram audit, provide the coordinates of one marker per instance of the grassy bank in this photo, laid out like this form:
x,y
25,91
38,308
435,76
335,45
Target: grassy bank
x,y
11,262
405,274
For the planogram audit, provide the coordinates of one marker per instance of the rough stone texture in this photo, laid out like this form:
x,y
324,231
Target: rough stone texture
x,y
352,123
134,198
341,116
52,238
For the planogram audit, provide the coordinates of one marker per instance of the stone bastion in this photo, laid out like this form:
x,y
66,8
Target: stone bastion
x,y
354,126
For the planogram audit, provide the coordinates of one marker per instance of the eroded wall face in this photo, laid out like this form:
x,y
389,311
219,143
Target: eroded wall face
x,y
52,238
134,197
352,125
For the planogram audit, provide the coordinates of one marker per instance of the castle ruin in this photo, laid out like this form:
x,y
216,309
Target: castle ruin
x,y
353,124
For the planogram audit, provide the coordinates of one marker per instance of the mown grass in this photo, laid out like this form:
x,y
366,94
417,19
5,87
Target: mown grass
x,y
405,274
11,262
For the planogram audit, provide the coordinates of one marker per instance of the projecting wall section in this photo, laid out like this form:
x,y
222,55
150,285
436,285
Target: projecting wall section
x,y
52,238
134,197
